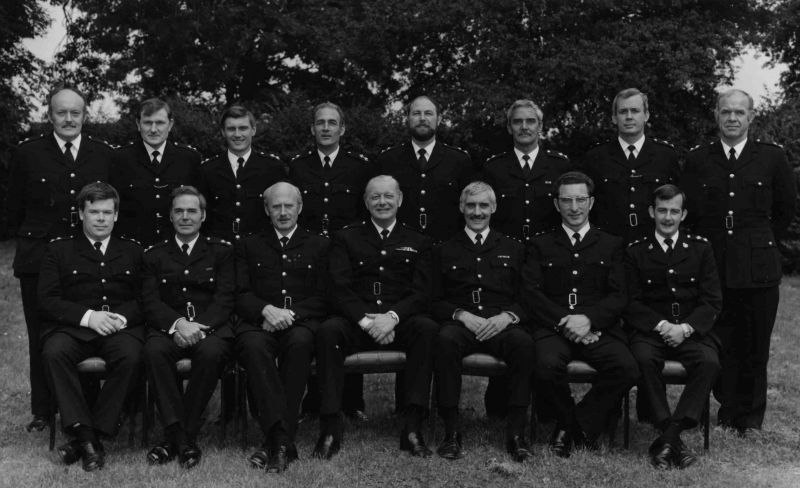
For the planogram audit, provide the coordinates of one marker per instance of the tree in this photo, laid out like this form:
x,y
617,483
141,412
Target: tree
x,y
783,43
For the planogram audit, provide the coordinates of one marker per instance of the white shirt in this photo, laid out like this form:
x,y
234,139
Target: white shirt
x,y
103,243
234,159
582,232
471,234
380,229
76,144
289,235
332,156
191,243
637,146
150,150
532,155
737,148
428,149
661,238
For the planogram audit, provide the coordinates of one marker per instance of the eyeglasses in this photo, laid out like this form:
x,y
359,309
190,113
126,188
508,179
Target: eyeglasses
x,y
580,201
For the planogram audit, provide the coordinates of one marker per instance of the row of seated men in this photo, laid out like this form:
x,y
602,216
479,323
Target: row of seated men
x,y
297,295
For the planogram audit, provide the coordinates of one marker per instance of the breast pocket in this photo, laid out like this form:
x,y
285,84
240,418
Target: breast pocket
x,y
759,191
556,278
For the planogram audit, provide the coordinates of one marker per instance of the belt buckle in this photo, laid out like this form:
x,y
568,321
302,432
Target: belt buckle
x,y
73,218
376,288
526,230
235,226
729,221
287,302
190,314
476,296
105,308
572,299
633,219
676,310
423,220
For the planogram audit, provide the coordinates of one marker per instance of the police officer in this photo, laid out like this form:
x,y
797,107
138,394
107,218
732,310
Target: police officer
x,y
675,298
575,291
627,170
741,195
45,175
188,296
478,304
234,181
281,286
89,293
381,285
430,173
523,178
146,172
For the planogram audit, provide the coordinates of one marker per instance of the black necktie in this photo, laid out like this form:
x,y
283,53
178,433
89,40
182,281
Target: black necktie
x,y
68,154
326,162
284,240
185,249
631,156
732,156
526,167
384,234
478,240
154,161
98,246
668,242
239,165
421,159
577,238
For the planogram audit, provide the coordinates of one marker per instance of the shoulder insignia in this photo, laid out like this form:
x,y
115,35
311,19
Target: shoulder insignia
x,y
31,139
457,148
557,154
185,146
696,237
130,239
636,242
769,143
663,142
389,148
269,155
601,143
496,156
217,240
206,160
157,244
301,155
356,155
101,141
61,238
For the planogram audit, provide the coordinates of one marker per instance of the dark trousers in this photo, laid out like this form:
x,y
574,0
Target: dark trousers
x,y
41,402
61,354
617,373
337,337
745,328
513,345
698,356
209,357
276,390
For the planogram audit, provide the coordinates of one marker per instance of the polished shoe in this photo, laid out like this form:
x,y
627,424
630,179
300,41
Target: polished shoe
x,y
327,446
93,455
661,454
561,443
450,448
189,456
682,458
38,424
70,452
162,453
357,416
518,448
278,460
414,444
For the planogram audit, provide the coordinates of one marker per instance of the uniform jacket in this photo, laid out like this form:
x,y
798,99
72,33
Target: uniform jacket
x,y
430,196
144,190
589,279
623,191
75,278
369,275
742,210
293,277
680,287
332,198
42,190
484,280
205,279
525,204
235,206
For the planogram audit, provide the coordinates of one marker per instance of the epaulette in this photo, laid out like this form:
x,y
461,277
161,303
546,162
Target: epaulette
x,y
302,155
557,154
102,141
269,155
457,148
389,148
600,143
185,146
357,156
495,156
31,139
217,240
663,142
157,244
207,160
355,224
701,145
130,239
696,237
769,143
60,238
546,231
637,242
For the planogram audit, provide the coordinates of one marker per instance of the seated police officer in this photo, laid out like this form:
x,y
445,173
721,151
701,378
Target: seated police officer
x,y
478,289
188,294
281,276
381,283
89,291
675,297
575,292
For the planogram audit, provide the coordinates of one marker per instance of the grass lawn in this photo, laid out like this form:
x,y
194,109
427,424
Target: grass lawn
x,y
371,456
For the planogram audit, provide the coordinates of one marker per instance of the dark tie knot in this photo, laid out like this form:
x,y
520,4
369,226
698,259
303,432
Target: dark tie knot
x,y
67,145
668,242
631,154
422,152
326,162
185,248
732,154
284,240
240,161
155,155
478,239
98,246
384,234
577,237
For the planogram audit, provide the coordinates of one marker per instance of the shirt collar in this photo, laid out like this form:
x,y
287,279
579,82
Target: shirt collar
x,y
637,146
331,155
150,149
191,243
660,240
531,155
289,235
471,234
103,243
379,229
582,231
234,159
76,143
428,149
738,148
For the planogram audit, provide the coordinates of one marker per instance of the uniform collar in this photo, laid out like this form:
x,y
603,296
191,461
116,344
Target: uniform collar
x,y
532,155
191,243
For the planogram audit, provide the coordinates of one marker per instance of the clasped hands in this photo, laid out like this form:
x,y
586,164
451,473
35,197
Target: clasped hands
x,y
188,333
672,334
105,323
484,328
276,319
380,326
578,329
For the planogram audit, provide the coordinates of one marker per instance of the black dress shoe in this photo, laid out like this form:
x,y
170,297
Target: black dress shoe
x,y
189,455
357,416
162,453
278,460
414,444
327,446
661,454
518,448
70,453
682,458
561,443
450,448
93,456
38,424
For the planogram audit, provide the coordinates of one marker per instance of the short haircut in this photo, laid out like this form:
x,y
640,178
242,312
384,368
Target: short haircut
x,y
527,104
274,187
61,87
236,112
435,105
330,105
722,96
668,192
381,178
573,178
96,191
153,105
476,188
626,94
187,190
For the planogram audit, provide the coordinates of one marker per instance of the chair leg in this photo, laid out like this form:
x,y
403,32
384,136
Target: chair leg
x,y
626,419
52,423
533,415
706,421
143,407
243,410
149,413
432,409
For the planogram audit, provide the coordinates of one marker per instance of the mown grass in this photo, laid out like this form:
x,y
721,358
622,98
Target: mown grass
x,y
371,456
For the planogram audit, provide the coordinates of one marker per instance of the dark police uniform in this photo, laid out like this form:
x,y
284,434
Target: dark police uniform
x,y
370,275
742,208
525,201
332,197
75,277
680,287
41,205
624,189
144,188
430,193
587,279
293,277
199,287
234,202
485,281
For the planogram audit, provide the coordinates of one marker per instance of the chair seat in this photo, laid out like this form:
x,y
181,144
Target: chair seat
x,y
375,362
92,365
674,373
480,364
580,372
184,366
